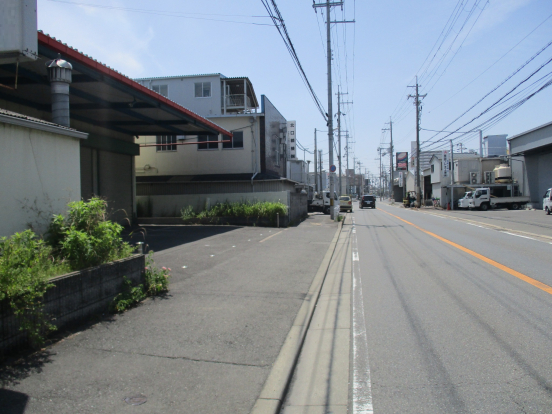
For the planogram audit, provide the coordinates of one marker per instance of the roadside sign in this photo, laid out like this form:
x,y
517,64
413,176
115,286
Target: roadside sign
x,y
332,168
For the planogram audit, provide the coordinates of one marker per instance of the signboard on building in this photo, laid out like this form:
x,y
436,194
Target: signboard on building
x,y
401,178
402,161
290,125
446,161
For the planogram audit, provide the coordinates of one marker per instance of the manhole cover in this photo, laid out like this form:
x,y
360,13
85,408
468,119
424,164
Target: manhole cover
x,y
136,399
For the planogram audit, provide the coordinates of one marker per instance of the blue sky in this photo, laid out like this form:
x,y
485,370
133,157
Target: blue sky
x,y
374,60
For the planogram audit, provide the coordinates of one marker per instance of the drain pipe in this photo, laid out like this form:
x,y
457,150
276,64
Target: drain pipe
x,y
59,75
252,178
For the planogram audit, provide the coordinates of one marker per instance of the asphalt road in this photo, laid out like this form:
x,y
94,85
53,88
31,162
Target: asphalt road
x,y
452,322
207,347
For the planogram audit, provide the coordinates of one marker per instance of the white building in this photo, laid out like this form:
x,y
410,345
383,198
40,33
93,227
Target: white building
x,y
261,142
39,171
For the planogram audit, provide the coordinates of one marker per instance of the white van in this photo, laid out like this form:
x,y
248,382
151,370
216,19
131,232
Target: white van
x,y
547,201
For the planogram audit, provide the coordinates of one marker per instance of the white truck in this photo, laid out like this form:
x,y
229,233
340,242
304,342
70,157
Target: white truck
x,y
547,201
464,202
483,200
321,202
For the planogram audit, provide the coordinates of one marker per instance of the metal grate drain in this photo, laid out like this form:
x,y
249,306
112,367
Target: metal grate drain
x,y
137,399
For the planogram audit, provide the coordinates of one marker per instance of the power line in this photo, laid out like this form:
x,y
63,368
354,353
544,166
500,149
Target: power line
x,y
168,13
278,21
495,88
496,61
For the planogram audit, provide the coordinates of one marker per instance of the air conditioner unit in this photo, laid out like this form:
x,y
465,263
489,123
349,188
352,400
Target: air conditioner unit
x,y
489,177
474,177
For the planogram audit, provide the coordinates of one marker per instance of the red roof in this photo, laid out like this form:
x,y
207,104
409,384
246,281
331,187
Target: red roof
x,y
75,55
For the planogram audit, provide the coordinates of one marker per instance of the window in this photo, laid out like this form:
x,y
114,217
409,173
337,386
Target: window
x,y
161,90
207,145
432,167
203,89
164,140
236,140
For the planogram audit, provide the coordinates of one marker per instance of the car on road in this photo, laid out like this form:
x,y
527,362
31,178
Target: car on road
x,y
346,204
367,201
547,201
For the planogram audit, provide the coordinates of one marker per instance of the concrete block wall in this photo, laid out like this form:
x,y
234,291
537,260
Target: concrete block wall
x,y
298,207
75,297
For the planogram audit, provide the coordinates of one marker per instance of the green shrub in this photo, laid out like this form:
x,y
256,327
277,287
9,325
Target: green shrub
x,y
85,238
26,265
187,213
156,282
259,209
129,297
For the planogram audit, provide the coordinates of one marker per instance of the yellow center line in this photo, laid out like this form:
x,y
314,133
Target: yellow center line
x,y
270,236
506,269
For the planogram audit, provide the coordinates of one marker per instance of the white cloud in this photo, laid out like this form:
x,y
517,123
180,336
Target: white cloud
x,y
109,36
497,12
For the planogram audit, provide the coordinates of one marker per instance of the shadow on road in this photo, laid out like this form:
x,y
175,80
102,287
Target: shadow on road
x,y
159,238
13,402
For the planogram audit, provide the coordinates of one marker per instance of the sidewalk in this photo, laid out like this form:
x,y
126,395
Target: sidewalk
x,y
207,347
320,380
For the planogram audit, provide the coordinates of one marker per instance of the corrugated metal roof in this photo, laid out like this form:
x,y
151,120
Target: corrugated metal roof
x,y
101,67
181,76
529,131
17,115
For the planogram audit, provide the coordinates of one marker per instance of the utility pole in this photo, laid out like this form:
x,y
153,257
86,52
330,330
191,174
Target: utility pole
x,y
481,143
329,4
418,110
315,164
354,163
320,166
451,175
347,168
390,158
339,134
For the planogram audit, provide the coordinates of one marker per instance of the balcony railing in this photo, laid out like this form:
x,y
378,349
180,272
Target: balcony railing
x,y
237,101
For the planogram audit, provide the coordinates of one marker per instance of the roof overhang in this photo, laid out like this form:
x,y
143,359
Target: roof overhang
x,y
99,96
533,141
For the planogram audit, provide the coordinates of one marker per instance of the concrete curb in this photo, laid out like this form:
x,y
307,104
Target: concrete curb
x,y
276,386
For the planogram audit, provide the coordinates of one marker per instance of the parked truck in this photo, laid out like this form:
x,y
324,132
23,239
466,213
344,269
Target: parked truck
x,y
496,197
547,201
321,202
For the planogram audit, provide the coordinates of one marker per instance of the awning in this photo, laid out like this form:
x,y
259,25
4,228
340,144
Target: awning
x,y
99,96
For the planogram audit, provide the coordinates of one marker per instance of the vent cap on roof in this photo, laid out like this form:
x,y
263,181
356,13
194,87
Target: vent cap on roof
x,y
59,70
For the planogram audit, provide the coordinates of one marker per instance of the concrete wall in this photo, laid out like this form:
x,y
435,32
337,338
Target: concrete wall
x,y
171,205
75,297
274,139
298,207
189,160
463,168
539,176
39,175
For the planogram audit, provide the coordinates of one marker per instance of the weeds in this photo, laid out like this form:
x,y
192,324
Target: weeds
x,y
266,209
156,282
26,265
85,238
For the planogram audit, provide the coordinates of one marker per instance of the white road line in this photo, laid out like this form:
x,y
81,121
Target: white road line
x,y
362,385
519,235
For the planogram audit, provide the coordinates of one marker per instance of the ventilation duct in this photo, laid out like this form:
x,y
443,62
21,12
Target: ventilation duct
x,y
59,74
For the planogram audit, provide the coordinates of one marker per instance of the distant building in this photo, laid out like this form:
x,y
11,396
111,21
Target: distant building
x,y
531,155
495,145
